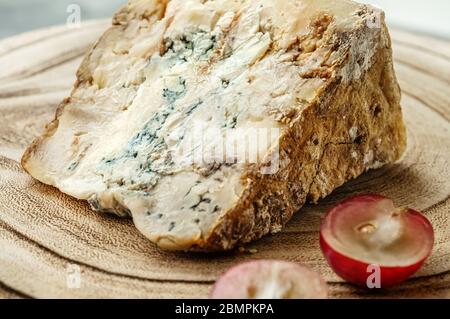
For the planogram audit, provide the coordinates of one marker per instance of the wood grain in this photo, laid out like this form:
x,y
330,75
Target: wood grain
x,y
43,233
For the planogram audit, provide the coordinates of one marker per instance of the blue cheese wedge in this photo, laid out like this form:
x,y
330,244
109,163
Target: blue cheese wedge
x,y
211,122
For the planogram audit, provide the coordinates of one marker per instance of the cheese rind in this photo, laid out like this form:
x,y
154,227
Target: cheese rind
x,y
182,105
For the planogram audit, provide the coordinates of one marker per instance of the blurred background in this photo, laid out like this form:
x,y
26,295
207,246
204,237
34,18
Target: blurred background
x,y
16,16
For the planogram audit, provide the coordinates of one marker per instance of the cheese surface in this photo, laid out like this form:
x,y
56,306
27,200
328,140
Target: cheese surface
x,y
173,86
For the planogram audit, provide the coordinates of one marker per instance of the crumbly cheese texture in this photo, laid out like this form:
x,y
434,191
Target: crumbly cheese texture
x,y
166,72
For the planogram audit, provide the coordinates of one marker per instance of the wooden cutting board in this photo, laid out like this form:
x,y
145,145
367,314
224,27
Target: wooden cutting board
x,y
54,246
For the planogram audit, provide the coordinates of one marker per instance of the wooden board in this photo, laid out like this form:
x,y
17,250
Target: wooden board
x,y
44,233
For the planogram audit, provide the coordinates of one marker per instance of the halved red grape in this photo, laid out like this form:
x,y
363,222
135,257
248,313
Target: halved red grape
x,y
366,234
269,279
